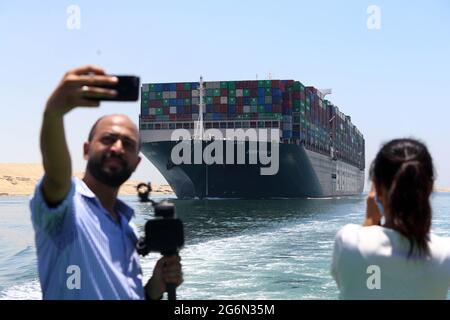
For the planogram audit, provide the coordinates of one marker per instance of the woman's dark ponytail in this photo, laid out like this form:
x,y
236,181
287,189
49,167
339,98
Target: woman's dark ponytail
x,y
408,200
404,168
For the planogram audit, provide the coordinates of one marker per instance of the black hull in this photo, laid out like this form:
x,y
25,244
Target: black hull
x,y
296,177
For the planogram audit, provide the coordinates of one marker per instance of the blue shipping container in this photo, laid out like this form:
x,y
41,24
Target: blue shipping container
x,y
180,109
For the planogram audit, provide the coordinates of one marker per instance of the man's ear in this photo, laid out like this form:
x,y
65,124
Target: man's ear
x,y
86,150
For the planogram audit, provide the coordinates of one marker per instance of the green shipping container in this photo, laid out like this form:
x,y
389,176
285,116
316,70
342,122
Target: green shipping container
x,y
246,93
231,85
187,86
232,93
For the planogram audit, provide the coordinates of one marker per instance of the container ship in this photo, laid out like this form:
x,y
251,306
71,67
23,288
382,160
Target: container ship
x,y
319,152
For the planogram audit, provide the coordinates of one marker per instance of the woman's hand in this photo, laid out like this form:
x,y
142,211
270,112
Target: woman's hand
x,y
373,215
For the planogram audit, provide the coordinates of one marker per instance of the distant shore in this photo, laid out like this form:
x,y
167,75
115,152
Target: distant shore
x,y
17,179
20,180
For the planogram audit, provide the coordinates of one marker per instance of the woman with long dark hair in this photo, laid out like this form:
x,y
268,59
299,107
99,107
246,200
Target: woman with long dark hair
x,y
401,258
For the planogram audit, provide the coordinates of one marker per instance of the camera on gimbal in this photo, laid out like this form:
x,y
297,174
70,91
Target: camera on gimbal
x,y
164,233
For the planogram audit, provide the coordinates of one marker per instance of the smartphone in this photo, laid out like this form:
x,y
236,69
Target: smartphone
x,y
127,89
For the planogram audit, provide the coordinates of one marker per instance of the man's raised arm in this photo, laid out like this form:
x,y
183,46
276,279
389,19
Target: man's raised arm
x,y
75,89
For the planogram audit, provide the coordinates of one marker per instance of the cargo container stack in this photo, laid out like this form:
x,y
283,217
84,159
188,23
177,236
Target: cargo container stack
x,y
300,112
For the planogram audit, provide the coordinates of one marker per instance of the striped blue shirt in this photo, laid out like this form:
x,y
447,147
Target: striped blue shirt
x,y
83,253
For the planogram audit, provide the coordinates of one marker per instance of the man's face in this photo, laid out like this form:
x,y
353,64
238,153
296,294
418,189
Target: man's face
x,y
113,154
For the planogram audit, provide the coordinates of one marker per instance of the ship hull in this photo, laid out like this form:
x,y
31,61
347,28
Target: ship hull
x,y
302,173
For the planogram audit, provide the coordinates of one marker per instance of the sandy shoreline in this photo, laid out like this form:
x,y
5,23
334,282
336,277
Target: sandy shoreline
x,y
20,180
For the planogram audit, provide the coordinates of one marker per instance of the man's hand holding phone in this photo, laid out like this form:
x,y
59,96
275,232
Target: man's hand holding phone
x,y
81,87
87,86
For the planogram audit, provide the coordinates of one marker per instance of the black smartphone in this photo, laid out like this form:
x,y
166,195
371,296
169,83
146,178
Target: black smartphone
x,y
127,89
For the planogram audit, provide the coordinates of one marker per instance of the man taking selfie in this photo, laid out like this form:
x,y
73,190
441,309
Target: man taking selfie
x,y
85,238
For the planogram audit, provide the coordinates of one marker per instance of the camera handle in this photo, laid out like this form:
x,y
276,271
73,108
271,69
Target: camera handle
x,y
171,287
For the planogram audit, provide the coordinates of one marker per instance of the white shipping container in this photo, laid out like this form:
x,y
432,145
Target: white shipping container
x,y
144,87
173,110
215,85
223,100
166,95
195,93
239,92
172,94
246,109
152,111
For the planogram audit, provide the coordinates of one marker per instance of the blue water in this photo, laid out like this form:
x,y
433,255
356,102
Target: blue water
x,y
235,249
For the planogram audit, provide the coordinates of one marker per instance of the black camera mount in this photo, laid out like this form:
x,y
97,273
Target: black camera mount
x,y
163,234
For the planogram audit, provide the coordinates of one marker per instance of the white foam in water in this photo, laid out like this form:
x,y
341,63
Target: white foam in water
x,y
255,266
28,291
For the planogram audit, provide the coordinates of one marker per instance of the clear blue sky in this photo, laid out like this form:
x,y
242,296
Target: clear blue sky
x,y
394,82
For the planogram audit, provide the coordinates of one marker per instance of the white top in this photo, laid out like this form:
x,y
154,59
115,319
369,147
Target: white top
x,y
372,263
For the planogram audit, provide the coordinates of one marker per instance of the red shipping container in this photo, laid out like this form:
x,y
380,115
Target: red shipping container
x,y
253,85
239,101
239,109
240,85
223,108
172,116
156,103
296,95
253,92
188,109
276,108
302,95
180,86
224,92
166,110
216,100
216,108
276,83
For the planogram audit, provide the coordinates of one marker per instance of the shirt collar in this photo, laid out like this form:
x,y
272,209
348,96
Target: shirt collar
x,y
122,207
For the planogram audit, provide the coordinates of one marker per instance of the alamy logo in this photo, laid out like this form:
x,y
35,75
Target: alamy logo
x,y
374,280
213,152
374,20
74,278
74,18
